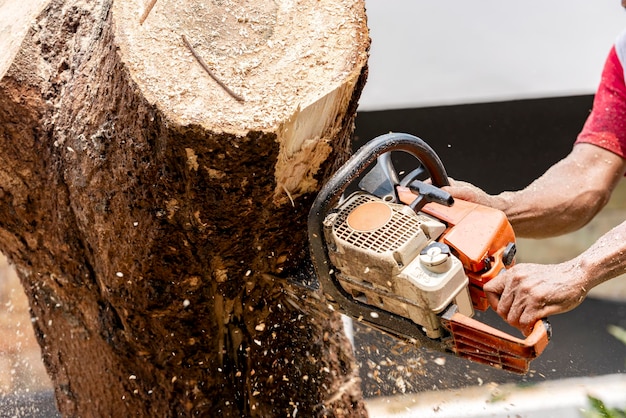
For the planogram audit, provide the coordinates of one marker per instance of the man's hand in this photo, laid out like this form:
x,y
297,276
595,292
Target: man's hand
x,y
467,191
526,293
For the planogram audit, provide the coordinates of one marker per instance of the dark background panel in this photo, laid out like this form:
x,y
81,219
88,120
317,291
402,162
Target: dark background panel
x,y
498,146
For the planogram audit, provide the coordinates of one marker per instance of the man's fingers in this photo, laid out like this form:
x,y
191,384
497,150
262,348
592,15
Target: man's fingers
x,y
495,285
504,305
493,299
462,193
528,321
497,291
497,296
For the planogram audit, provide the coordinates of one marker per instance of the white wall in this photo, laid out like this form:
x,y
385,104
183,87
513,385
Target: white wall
x,y
437,52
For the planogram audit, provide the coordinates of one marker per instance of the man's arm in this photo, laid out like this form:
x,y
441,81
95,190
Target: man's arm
x,y
563,199
528,292
571,192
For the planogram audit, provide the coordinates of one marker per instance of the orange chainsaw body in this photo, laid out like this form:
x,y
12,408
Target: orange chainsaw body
x,y
480,236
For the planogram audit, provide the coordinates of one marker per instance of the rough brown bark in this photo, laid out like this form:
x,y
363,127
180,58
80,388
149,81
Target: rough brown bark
x,y
156,247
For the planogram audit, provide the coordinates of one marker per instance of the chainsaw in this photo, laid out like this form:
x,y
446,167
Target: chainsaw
x,y
401,255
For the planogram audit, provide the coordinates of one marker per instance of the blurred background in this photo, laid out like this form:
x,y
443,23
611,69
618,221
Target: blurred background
x,y
499,89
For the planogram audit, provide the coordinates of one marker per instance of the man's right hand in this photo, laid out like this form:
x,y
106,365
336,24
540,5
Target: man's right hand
x,y
526,292
467,191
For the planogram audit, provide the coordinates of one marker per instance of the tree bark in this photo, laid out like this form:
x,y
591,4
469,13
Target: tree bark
x,y
157,221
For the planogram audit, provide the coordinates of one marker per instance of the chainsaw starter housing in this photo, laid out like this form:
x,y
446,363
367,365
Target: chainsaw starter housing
x,y
387,255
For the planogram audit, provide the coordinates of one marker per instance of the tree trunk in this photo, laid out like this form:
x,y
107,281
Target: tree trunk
x,y
157,217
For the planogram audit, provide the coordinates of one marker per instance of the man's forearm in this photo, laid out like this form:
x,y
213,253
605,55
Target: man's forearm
x,y
605,259
548,216
567,196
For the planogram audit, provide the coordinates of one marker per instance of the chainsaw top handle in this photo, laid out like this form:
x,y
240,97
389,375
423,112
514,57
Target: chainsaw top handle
x,y
329,197
365,156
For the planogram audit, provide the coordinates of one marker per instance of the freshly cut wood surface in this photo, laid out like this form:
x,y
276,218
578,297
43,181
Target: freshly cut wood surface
x,y
280,56
294,64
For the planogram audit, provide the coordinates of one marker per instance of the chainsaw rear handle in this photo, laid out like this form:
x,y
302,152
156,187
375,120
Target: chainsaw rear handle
x,y
329,197
484,344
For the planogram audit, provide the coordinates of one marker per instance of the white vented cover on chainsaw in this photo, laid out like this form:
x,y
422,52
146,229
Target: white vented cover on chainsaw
x,y
395,234
378,261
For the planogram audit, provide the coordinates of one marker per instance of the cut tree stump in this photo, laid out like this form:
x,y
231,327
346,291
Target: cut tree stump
x,y
157,164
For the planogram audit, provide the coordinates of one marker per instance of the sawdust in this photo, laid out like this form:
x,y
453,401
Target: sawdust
x,y
253,47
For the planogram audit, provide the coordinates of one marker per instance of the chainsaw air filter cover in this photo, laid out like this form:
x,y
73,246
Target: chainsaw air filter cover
x,y
384,254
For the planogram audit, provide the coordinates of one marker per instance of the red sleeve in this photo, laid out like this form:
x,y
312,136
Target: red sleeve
x,y
606,125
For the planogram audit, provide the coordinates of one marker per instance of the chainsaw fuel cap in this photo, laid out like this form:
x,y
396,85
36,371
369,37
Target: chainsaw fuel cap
x,y
436,257
369,216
